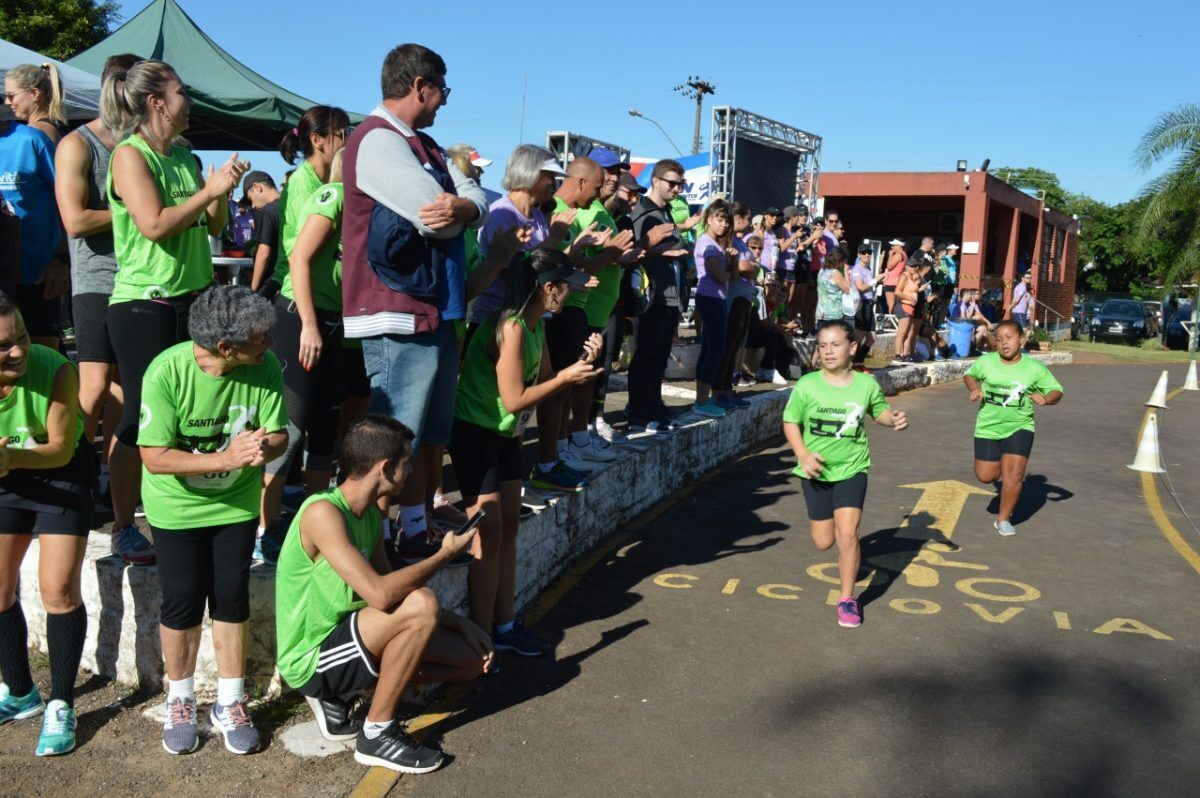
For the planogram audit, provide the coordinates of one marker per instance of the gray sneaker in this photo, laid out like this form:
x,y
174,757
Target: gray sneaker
x,y
234,724
180,735
1005,528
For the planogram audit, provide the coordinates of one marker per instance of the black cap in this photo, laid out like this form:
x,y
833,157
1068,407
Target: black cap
x,y
566,273
864,248
257,176
772,211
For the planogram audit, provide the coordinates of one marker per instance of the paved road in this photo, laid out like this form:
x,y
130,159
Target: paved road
x,y
701,656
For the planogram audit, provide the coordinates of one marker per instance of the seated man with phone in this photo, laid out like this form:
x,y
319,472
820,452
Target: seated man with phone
x,y
346,622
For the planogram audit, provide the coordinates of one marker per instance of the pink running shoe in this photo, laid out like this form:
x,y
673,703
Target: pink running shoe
x,y
849,614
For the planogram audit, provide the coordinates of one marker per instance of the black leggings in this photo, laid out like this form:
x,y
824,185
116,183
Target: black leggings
x,y
736,325
777,352
312,397
614,335
140,329
209,566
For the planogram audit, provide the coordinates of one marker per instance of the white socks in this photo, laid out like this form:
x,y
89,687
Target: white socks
x,y
230,691
182,688
371,729
412,520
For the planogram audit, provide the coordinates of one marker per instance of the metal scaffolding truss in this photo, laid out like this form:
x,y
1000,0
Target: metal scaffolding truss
x,y
566,146
729,124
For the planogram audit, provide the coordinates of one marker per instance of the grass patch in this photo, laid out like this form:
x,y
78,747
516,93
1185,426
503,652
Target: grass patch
x,y
1148,352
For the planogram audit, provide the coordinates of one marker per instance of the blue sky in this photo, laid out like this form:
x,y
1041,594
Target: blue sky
x,y
1065,86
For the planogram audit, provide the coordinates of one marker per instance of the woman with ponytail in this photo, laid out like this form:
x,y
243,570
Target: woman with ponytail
x,y
36,96
317,137
505,374
163,212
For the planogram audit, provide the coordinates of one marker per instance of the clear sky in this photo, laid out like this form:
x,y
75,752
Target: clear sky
x,y
909,86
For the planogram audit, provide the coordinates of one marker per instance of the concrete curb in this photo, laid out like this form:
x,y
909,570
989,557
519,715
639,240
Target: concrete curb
x,y
122,601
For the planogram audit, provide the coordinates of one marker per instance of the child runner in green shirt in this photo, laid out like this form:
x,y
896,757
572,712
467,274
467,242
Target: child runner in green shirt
x,y
1007,385
823,422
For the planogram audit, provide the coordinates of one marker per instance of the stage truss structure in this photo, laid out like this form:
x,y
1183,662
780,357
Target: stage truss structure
x,y
567,145
729,124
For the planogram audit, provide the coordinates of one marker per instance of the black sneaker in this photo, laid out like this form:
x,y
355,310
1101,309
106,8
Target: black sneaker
x,y
333,718
520,641
395,750
410,550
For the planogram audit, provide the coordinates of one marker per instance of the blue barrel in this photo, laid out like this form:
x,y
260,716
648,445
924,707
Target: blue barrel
x,y
961,333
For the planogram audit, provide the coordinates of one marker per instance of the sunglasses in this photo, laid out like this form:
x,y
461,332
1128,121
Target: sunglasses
x,y
672,183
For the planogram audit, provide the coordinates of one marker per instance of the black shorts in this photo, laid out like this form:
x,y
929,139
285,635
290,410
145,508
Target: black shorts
x,y
269,289
345,669
1019,443
812,278
91,328
209,566
483,459
41,315
57,501
822,498
789,276
354,372
565,334
889,289
864,320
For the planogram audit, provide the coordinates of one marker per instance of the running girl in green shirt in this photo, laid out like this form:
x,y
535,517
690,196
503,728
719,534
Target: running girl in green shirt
x,y
308,343
163,212
505,374
46,481
824,423
1007,385
212,415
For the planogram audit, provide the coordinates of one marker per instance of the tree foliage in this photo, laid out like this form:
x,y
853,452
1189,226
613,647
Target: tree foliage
x,y
1170,220
57,28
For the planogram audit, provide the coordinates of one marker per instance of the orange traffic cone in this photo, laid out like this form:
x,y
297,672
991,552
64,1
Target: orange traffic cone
x,y
1147,458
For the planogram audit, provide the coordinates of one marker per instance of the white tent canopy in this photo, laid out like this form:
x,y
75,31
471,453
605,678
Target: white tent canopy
x,y
82,89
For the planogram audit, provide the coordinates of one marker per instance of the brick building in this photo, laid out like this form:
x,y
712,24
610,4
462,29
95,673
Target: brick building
x,y
1002,230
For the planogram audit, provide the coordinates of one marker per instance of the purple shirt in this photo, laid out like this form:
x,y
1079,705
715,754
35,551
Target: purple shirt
x,y
770,250
787,257
1020,298
862,274
503,215
707,249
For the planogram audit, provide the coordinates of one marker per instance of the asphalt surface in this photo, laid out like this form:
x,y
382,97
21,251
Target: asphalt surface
x,y
700,657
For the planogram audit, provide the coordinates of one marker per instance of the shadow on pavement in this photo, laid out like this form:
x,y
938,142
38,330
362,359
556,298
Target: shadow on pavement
x,y
1034,495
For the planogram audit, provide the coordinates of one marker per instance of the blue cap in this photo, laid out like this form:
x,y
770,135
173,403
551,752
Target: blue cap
x,y
607,158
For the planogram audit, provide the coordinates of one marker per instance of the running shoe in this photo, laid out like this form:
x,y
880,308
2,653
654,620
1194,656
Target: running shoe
x,y
1005,528
333,718
531,497
395,750
561,477
14,707
592,451
131,545
708,409
235,726
743,380
849,614
607,433
527,511
772,376
729,402
420,547
520,641
570,457
180,735
639,426
268,545
444,510
58,730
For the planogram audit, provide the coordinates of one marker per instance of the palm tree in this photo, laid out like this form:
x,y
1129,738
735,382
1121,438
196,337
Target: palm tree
x,y
1171,219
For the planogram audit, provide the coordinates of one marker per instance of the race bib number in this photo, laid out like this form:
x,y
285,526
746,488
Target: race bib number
x,y
216,480
522,419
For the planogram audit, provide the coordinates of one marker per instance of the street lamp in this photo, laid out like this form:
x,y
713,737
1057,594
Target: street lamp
x,y
640,115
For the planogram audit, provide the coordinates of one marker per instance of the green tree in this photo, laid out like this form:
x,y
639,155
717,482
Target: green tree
x,y
1169,227
57,28
1032,178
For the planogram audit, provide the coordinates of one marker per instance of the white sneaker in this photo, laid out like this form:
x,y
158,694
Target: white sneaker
x,y
605,431
593,451
772,376
571,459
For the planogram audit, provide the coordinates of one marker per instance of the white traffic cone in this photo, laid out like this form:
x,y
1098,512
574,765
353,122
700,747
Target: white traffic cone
x,y
1147,457
1159,397
1191,384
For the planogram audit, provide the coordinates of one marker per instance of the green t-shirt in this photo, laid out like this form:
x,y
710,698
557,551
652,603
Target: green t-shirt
x,y
478,399
831,422
185,408
1006,406
174,267
293,201
311,598
24,411
326,265
600,301
680,213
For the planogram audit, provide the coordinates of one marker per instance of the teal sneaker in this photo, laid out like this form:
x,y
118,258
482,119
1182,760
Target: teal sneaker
x,y
58,730
19,707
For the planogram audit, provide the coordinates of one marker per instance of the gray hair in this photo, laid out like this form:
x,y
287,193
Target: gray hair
x,y
230,313
524,166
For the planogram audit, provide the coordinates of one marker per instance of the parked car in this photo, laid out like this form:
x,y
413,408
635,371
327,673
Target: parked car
x,y
1123,319
1177,334
1155,309
1081,319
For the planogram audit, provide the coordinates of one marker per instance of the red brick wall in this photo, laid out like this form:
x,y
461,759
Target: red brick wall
x,y
1059,292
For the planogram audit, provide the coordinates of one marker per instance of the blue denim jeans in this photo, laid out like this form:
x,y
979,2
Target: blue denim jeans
x,y
414,379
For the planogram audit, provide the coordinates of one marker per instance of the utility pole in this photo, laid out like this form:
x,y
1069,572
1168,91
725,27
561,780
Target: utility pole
x,y
694,89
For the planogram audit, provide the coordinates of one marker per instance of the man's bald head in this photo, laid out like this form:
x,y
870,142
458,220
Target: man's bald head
x,y
582,183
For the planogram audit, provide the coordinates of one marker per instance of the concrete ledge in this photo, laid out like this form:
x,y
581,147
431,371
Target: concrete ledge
x,y
122,601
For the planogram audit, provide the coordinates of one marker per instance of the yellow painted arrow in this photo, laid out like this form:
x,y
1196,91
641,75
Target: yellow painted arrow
x,y
936,513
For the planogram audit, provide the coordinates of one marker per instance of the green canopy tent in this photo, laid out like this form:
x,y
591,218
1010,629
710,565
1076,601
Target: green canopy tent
x,y
236,108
